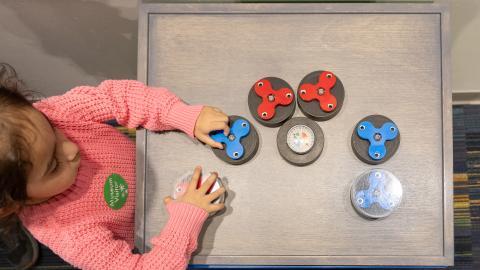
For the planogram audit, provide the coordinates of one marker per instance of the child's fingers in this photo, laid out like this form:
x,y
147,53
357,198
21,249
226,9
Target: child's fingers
x,y
226,129
218,110
210,180
216,207
195,178
167,200
208,140
222,117
218,125
213,196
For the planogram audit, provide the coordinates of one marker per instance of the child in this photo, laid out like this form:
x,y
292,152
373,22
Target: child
x,y
71,178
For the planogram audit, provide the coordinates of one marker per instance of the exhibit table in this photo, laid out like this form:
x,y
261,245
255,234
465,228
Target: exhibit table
x,y
392,59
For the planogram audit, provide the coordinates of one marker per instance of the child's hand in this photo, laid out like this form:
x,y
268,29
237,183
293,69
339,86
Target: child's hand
x,y
198,197
211,119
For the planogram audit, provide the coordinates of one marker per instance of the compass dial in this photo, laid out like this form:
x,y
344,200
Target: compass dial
x,y
300,139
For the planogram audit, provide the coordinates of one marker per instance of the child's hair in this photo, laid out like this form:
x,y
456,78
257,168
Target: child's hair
x,y
15,161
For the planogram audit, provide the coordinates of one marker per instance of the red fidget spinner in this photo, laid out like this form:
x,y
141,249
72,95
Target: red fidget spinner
x,y
271,98
320,91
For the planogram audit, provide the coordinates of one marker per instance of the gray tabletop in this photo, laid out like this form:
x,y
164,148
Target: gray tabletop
x,y
392,60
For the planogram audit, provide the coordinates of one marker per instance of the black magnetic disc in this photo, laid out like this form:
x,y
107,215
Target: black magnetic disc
x,y
282,112
250,144
362,146
300,141
312,109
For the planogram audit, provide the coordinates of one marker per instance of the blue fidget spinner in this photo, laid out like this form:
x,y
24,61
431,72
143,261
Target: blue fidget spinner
x,y
240,128
377,137
375,193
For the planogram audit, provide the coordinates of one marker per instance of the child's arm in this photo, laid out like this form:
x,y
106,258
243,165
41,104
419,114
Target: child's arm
x,y
95,247
129,102
90,244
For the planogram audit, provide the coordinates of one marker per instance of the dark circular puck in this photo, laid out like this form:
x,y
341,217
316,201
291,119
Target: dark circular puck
x,y
312,108
281,112
361,146
376,194
300,141
250,144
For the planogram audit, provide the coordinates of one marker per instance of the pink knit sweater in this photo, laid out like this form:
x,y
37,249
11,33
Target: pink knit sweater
x,y
78,224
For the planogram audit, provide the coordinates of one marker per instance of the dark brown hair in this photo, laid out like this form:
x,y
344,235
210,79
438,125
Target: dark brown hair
x,y
15,162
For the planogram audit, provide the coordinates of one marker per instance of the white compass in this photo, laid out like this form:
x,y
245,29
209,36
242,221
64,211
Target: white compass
x,y
300,139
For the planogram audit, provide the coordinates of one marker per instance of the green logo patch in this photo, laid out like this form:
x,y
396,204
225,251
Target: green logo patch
x,y
115,191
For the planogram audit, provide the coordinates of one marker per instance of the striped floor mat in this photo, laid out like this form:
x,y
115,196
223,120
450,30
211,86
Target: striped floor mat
x,y
466,167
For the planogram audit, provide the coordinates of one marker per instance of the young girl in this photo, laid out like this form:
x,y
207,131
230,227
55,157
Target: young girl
x,y
71,178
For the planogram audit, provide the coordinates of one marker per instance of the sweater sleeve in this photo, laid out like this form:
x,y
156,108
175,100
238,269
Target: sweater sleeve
x,y
95,247
131,103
